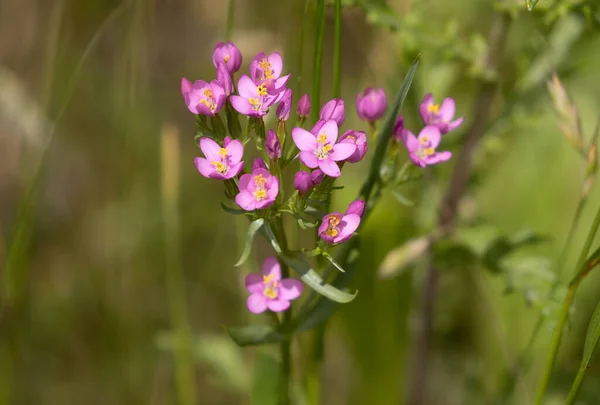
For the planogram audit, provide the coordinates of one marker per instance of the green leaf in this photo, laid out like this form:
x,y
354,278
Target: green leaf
x,y
310,277
252,229
233,211
332,261
386,132
530,4
401,199
254,335
401,257
267,231
589,348
503,246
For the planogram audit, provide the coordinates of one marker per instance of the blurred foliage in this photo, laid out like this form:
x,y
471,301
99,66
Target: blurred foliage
x,y
89,324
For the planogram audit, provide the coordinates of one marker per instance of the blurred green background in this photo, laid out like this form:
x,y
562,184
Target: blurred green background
x,y
85,313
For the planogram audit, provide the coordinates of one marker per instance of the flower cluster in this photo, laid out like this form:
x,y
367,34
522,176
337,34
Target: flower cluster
x,y
319,154
438,120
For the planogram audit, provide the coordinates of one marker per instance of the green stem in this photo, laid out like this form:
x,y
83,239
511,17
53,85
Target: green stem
x,y
318,58
337,51
313,373
575,388
230,18
301,49
285,346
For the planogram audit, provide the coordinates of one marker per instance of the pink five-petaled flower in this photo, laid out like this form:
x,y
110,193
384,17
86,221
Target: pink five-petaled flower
x,y
334,110
202,97
337,228
358,138
422,148
254,100
321,150
440,115
269,291
220,163
371,104
266,70
257,190
229,55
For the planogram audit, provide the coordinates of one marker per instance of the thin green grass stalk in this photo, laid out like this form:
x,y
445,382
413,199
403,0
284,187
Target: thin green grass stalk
x,y
564,314
175,280
230,19
337,51
301,49
317,62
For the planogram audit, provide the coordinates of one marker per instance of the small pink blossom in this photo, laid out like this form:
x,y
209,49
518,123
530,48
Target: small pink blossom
x,y
258,190
272,145
269,291
254,100
220,163
267,70
440,115
321,150
356,207
337,228
334,110
422,149
359,139
285,106
202,97
224,78
229,55
303,108
259,164
371,104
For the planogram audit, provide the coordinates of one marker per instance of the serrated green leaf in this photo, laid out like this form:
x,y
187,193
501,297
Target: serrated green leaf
x,y
252,229
589,348
253,335
314,280
233,211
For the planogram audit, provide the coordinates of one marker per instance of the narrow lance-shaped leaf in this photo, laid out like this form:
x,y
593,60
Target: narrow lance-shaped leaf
x,y
591,341
252,229
312,278
254,335
267,231
233,211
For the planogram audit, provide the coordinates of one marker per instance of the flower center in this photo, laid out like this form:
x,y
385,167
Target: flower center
x,y
271,289
332,228
256,103
226,58
260,193
424,153
323,148
221,165
433,108
267,69
209,100
262,90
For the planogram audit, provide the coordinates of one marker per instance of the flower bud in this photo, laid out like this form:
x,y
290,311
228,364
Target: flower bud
x,y
228,54
358,138
303,107
334,110
302,182
272,145
224,77
285,105
356,207
399,131
371,104
258,164
316,177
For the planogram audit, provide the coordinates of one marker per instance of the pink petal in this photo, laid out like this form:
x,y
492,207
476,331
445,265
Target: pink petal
x,y
186,86
235,150
329,167
324,224
271,267
278,305
304,140
246,200
234,170
279,83
241,105
411,142
210,148
290,289
309,159
330,129
276,63
244,181
257,303
424,107
438,157
247,88
274,189
447,109
432,134
455,124
347,227
205,167
254,283
342,151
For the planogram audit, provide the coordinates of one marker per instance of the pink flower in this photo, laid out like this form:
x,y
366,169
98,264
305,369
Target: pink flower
x,y
257,190
359,139
302,181
259,164
422,148
321,150
224,78
269,291
356,207
267,70
440,116
399,132
254,100
229,55
285,106
371,104
337,228
202,97
334,110
272,145
303,106
220,163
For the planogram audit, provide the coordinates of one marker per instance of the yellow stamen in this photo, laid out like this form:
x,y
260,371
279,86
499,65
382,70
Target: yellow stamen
x,y
424,140
260,194
322,138
334,221
351,137
259,180
262,90
222,153
332,232
211,106
266,66
429,151
254,103
208,93
433,108
268,279
226,58
221,168
270,292
327,148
